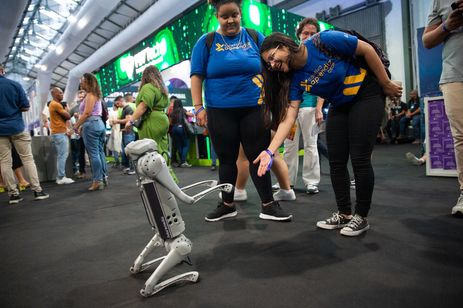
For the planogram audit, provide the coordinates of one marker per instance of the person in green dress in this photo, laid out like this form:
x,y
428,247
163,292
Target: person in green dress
x,y
151,102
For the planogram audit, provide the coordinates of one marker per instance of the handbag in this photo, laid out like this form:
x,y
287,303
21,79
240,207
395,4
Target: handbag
x,y
188,126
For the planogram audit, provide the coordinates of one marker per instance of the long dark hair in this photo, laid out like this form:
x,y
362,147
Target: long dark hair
x,y
92,85
178,112
276,84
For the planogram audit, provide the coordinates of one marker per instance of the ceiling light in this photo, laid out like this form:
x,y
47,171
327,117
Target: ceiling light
x,y
82,23
43,67
38,65
26,78
59,50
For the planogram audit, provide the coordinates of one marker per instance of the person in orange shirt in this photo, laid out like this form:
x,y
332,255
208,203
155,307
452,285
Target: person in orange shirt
x,y
58,117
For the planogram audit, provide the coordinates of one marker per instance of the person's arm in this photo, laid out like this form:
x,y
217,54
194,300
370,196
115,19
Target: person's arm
x,y
318,110
197,96
63,113
90,101
435,34
374,63
137,114
283,130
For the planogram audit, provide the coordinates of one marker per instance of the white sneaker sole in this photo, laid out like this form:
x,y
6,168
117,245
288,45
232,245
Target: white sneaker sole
x,y
270,217
457,211
229,215
16,201
354,233
323,225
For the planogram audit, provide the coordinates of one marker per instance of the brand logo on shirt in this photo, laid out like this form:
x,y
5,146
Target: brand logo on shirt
x,y
258,80
239,45
318,73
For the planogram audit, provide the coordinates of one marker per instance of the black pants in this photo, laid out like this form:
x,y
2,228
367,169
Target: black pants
x,y
351,131
228,127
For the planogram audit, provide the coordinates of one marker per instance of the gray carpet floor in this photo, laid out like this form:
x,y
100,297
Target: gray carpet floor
x,y
75,249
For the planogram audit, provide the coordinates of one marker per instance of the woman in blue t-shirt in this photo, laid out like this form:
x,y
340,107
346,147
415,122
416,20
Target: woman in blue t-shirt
x,y
356,95
230,70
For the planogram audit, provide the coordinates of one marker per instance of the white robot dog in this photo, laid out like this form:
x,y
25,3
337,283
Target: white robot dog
x,y
158,191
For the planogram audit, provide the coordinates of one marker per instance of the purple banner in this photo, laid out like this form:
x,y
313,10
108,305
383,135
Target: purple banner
x,y
441,149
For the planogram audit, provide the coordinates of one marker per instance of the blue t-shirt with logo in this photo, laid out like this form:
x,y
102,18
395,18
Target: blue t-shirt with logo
x,y
231,70
331,78
12,100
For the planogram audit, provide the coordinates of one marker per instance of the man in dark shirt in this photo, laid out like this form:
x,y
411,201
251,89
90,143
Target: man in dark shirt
x,y
396,113
128,135
412,115
13,102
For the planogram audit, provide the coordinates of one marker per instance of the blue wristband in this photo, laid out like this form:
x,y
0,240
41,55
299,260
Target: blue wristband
x,y
271,159
199,110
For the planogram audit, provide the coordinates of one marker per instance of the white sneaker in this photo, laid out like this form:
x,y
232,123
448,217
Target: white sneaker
x,y
284,195
240,195
276,187
64,180
312,189
458,208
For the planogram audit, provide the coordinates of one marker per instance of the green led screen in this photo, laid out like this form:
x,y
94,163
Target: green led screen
x,y
174,43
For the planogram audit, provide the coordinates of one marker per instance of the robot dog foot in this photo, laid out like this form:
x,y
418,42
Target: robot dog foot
x,y
151,290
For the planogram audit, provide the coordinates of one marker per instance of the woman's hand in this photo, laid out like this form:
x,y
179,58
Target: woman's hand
x,y
318,116
265,161
392,89
201,118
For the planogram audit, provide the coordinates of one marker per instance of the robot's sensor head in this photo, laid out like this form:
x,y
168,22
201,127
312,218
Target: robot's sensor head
x,y
135,149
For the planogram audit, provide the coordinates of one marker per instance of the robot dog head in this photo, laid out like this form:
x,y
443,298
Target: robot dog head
x,y
138,148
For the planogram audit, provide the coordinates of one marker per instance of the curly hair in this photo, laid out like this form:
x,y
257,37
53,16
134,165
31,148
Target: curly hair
x,y
92,85
218,3
305,22
152,75
276,83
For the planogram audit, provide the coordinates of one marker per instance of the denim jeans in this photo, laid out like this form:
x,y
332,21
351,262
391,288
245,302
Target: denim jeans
x,y
61,142
181,141
126,139
93,132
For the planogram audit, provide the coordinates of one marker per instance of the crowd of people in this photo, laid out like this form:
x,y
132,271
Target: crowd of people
x,y
259,93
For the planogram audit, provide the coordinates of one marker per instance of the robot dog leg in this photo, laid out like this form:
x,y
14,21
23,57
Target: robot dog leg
x,y
158,192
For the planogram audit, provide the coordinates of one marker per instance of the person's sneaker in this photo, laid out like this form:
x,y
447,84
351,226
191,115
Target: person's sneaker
x,y
284,195
125,170
213,168
15,199
276,187
64,180
221,211
131,172
273,211
185,165
239,195
356,226
413,159
40,195
458,208
312,189
336,221
352,184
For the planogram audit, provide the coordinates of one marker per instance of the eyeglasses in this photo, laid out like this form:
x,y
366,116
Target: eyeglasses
x,y
271,59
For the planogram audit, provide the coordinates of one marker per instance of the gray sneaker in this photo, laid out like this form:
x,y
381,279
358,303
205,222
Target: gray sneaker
x,y
458,208
284,195
312,189
336,221
356,226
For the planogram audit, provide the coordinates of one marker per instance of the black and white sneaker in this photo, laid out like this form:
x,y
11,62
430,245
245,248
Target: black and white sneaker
x,y
273,211
336,221
15,199
40,195
356,226
221,211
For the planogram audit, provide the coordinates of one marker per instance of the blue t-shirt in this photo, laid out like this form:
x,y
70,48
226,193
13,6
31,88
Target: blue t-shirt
x,y
12,100
331,78
231,70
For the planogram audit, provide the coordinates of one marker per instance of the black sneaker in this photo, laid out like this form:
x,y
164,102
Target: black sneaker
x,y
40,195
273,211
356,226
222,211
336,221
15,199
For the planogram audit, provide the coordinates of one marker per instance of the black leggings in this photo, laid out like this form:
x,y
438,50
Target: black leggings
x,y
228,127
351,131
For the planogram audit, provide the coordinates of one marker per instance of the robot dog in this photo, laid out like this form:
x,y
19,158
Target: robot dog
x,y
158,192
